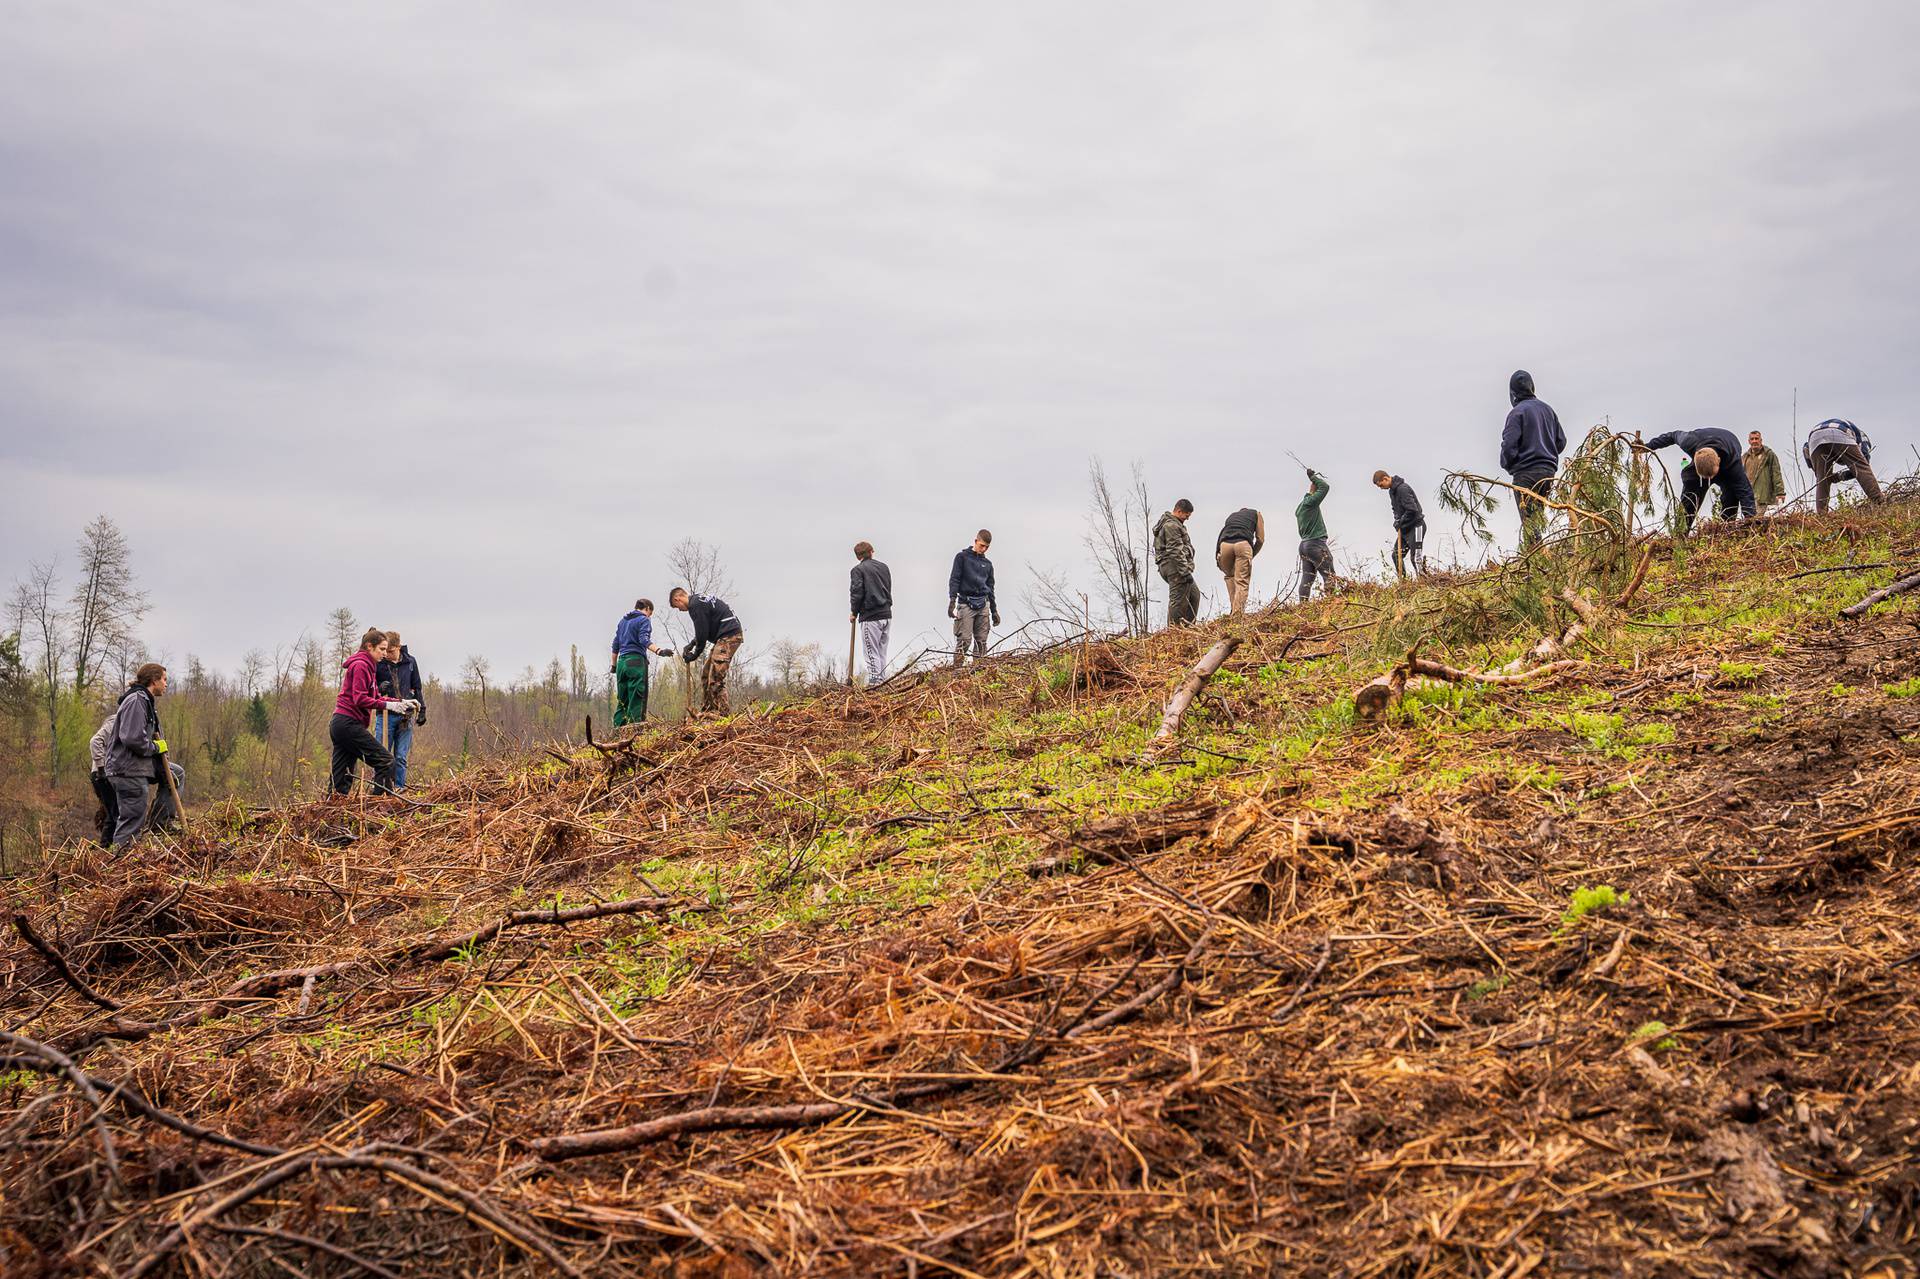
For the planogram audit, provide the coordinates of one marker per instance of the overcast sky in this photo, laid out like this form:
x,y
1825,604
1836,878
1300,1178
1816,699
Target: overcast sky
x,y
459,314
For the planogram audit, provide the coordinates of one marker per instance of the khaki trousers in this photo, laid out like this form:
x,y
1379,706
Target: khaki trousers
x,y
1236,562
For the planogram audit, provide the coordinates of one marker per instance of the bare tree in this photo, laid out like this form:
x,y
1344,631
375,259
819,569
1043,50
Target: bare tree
x,y
252,666
35,614
1118,535
106,604
794,664
342,641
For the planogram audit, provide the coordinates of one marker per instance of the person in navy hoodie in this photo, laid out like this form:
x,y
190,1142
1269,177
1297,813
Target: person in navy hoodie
x,y
353,710
1530,447
632,641
398,675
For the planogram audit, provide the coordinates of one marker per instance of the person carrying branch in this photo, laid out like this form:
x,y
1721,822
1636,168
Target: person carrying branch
x,y
1173,557
1530,447
349,732
1713,459
1764,475
1241,538
135,755
632,641
1837,450
1315,558
870,607
713,623
1409,524
970,601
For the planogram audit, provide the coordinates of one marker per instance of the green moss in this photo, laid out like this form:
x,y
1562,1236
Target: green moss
x,y
1905,688
1588,901
1740,674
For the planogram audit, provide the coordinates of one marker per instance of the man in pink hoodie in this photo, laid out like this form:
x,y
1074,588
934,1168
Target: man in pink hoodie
x,y
352,713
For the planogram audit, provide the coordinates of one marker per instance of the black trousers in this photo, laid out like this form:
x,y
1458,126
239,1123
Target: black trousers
x,y
1408,544
353,742
1736,491
109,809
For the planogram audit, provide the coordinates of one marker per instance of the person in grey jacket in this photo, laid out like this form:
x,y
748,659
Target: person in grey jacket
x,y
870,600
1173,557
109,814
1838,450
135,755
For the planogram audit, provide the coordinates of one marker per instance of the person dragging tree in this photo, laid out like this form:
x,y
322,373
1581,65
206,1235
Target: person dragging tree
x,y
1838,450
970,601
1315,558
870,607
1531,443
713,623
632,641
349,732
1409,523
136,753
1173,558
1713,460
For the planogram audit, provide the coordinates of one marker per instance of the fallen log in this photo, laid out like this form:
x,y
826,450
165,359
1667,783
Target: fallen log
x,y
1183,696
1891,589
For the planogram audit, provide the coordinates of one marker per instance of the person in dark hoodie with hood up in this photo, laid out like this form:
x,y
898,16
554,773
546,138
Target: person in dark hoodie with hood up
x,y
1409,523
1530,449
632,641
1713,457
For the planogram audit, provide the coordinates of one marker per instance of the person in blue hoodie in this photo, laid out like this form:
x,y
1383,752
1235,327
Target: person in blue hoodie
x,y
1530,449
632,641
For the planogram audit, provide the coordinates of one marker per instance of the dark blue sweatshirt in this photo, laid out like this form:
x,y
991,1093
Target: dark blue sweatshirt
x,y
971,581
1532,442
1721,441
633,635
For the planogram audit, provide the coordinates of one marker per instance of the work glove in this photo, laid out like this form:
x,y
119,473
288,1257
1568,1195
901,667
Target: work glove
x,y
98,774
159,745
950,612
405,708
687,654
996,617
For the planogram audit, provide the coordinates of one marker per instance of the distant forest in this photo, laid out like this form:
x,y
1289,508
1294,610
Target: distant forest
x,y
259,733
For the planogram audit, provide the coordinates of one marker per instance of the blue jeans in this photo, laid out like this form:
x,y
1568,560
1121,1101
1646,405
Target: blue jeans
x,y
400,741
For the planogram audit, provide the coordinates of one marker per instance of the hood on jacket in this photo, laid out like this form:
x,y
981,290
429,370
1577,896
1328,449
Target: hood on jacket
x,y
1519,386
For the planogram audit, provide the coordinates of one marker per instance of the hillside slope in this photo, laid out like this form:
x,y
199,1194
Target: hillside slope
x,y
1612,972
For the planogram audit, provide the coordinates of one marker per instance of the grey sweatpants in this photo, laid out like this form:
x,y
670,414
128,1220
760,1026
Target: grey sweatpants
x,y
970,624
873,648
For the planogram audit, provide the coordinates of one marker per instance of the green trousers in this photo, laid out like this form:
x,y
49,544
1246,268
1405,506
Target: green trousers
x,y
630,689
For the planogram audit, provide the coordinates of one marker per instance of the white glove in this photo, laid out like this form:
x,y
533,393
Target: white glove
x,y
401,708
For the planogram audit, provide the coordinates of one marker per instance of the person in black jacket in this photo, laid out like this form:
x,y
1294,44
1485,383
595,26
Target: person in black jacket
x,y
1409,523
870,601
970,601
713,623
1530,447
1713,457
398,676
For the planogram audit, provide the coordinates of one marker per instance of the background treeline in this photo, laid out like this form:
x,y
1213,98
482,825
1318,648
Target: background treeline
x,y
259,733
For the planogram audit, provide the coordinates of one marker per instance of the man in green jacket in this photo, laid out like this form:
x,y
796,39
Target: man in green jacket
x,y
1314,555
1173,556
1763,472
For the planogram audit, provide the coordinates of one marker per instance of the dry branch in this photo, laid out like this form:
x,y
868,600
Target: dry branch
x,y
1899,587
1189,687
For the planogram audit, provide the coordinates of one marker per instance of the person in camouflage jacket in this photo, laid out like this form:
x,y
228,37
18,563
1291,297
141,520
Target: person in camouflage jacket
x,y
1173,556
